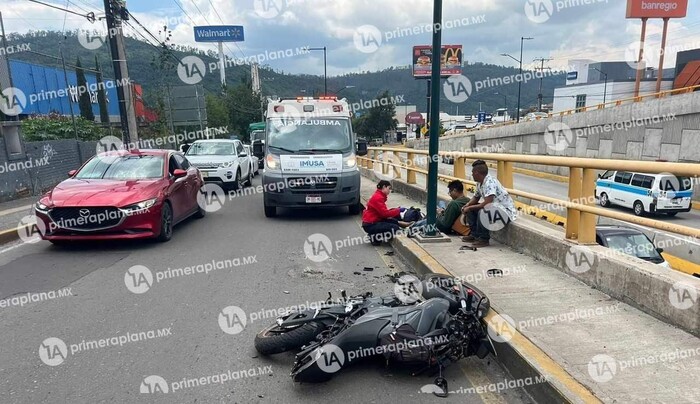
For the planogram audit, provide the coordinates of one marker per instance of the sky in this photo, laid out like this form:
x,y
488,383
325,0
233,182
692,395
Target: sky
x,y
362,35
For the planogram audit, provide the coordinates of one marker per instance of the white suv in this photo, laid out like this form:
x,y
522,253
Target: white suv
x,y
223,161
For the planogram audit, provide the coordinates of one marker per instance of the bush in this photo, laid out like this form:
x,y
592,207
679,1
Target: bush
x,y
59,127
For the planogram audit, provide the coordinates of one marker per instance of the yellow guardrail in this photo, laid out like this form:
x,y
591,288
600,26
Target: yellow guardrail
x,y
581,210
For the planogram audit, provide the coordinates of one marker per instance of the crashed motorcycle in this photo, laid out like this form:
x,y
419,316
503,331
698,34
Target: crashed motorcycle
x,y
441,327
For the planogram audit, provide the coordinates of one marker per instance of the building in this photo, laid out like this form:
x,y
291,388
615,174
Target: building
x,y
53,90
590,83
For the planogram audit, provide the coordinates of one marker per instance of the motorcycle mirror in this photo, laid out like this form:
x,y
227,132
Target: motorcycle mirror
x,y
343,294
330,297
441,383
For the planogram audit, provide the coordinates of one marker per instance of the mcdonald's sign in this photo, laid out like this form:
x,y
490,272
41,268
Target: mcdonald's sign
x,y
450,61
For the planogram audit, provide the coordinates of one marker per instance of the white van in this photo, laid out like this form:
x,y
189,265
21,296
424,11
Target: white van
x,y
645,193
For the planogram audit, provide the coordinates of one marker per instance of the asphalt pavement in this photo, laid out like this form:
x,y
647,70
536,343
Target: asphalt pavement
x,y
119,342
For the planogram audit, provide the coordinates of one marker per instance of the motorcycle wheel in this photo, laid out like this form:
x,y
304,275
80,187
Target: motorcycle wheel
x,y
273,339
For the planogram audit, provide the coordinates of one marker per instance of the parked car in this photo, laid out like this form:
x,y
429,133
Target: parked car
x,y
122,195
534,116
631,242
222,161
254,161
645,193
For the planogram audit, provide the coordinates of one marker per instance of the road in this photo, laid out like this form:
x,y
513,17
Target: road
x,y
188,310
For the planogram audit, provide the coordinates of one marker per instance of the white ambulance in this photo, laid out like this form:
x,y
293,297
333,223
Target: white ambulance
x,y
310,151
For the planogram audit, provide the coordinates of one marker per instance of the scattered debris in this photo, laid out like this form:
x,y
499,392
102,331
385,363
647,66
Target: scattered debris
x,y
389,253
368,269
357,273
467,247
286,292
495,272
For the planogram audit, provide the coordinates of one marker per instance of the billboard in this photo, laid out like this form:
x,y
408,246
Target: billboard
x,y
218,33
450,61
657,8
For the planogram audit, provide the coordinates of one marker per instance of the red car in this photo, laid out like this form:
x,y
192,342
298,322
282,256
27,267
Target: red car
x,y
122,195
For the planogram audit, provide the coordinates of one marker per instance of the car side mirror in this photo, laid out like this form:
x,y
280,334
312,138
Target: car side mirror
x,y
361,147
600,176
185,147
659,250
179,173
71,173
244,154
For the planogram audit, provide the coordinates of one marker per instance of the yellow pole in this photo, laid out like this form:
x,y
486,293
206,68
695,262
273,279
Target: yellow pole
x,y
588,220
501,171
507,174
459,170
573,216
410,174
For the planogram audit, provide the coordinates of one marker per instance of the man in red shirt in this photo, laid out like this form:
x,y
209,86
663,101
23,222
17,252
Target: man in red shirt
x,y
380,222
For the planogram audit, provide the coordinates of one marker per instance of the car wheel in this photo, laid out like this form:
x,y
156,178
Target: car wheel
x,y
638,208
249,181
237,183
270,211
166,223
604,200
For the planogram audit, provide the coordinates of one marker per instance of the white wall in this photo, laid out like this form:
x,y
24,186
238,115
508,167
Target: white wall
x,y
565,97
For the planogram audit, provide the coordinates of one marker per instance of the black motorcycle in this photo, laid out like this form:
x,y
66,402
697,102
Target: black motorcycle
x,y
429,335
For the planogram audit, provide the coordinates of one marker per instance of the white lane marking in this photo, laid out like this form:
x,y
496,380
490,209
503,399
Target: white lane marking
x,y
15,210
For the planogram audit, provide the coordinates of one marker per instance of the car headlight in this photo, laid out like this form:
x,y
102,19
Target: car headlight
x,y
41,207
227,164
139,207
272,162
350,161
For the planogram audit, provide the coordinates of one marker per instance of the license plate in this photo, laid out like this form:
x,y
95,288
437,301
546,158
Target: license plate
x,y
676,201
313,199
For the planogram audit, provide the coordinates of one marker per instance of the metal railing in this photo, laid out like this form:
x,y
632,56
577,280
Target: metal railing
x,y
661,94
580,207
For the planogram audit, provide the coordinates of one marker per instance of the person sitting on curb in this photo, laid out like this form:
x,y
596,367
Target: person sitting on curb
x,y
446,217
493,213
378,221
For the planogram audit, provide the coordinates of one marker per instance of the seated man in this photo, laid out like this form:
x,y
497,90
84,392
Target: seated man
x,y
380,222
446,217
497,204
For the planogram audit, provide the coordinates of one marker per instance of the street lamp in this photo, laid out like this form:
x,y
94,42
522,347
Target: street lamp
x,y
520,82
342,89
605,91
325,70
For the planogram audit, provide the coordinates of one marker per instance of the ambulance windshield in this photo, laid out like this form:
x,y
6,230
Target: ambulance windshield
x,y
327,135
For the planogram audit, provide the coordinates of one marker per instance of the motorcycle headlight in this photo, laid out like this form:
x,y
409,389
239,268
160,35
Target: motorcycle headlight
x,y
139,207
227,164
350,161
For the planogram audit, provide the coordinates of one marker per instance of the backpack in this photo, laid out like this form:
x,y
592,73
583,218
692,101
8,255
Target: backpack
x,y
412,215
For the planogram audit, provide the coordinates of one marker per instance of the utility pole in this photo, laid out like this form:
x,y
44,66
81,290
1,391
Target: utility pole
x,y
115,12
541,69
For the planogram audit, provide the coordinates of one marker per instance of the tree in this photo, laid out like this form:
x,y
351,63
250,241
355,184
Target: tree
x,y
378,119
101,95
83,95
243,107
217,114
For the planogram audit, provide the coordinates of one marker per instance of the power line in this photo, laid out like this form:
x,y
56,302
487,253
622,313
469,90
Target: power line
x,y
89,15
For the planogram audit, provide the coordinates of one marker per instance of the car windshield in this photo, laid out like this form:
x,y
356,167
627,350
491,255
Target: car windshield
x,y
211,149
257,135
330,135
636,245
131,167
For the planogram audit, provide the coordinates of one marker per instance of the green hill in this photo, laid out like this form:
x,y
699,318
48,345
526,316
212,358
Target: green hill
x,y
152,69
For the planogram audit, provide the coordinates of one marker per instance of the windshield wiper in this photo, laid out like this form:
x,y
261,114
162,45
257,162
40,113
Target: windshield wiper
x,y
321,150
283,149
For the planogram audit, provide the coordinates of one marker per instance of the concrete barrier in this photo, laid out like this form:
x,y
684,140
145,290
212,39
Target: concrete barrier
x,y
643,285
